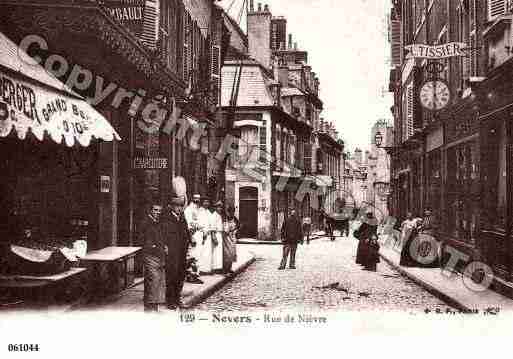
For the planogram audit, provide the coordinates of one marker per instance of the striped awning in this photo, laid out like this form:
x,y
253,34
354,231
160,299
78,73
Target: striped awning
x,y
33,100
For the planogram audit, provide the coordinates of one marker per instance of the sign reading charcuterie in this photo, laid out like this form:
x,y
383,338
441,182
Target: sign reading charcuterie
x,y
150,163
436,52
25,107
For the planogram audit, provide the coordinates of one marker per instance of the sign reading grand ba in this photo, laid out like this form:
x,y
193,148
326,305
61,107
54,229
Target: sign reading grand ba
x,y
27,107
129,12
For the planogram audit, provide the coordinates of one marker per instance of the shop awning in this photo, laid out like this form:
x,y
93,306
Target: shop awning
x,y
33,100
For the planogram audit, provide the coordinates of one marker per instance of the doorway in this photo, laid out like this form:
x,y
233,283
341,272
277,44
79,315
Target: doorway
x,y
248,212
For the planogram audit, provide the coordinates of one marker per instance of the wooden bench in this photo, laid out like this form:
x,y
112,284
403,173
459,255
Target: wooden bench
x,y
112,269
48,288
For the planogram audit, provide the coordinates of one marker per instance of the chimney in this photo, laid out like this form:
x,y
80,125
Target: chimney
x,y
251,5
295,46
259,36
290,41
266,8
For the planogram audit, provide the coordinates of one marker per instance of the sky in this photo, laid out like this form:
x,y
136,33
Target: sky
x,y
348,48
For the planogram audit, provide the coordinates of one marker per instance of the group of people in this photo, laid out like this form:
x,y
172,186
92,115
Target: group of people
x,y
182,244
424,253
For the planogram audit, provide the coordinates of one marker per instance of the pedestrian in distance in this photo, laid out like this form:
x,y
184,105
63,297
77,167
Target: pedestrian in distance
x,y
292,235
154,258
307,228
367,231
178,239
373,254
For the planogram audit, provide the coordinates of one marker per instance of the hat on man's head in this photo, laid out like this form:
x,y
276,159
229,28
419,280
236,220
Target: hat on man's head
x,y
176,201
196,197
219,204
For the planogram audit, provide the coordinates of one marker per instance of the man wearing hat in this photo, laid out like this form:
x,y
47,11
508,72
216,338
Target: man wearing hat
x,y
178,238
292,234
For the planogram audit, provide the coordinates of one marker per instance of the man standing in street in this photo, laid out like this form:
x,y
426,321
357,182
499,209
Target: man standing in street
x,y
178,239
292,234
154,252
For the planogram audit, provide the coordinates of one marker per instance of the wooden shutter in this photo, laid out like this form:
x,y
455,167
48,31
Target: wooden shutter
x,y
410,113
186,49
263,143
395,39
308,158
496,8
215,71
150,32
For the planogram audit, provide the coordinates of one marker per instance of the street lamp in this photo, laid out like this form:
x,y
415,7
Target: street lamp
x,y
378,139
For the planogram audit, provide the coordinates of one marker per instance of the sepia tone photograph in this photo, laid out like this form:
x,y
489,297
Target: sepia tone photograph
x,y
207,164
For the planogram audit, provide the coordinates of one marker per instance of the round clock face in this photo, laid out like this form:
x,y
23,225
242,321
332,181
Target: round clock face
x,y
435,95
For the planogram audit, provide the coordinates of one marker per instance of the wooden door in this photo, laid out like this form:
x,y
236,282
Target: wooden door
x,y
248,212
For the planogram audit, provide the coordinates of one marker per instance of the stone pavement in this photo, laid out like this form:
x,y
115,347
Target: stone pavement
x,y
451,289
132,298
326,278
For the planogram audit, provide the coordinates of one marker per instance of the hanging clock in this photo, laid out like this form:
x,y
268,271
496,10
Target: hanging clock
x,y
435,95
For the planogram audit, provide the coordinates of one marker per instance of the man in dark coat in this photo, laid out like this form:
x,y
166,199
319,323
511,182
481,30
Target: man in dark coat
x,y
154,252
292,234
178,240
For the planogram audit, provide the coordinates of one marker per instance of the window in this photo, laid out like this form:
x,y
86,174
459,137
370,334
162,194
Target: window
x,y
462,184
263,156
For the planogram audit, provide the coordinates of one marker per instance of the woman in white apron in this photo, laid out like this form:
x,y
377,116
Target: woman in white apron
x,y
217,228
205,239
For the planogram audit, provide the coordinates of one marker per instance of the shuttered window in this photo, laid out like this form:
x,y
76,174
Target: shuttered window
x,y
308,158
150,33
395,38
215,71
263,143
408,102
278,146
186,46
496,8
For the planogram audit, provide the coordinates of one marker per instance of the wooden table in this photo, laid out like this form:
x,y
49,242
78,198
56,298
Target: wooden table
x,y
112,268
46,288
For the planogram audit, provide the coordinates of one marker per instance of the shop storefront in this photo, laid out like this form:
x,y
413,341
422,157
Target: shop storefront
x,y
53,185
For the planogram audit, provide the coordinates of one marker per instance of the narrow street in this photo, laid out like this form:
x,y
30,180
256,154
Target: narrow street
x,y
312,285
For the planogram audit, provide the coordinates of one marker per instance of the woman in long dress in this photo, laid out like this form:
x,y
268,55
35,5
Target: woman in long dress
x,y
217,230
204,223
367,231
231,227
408,233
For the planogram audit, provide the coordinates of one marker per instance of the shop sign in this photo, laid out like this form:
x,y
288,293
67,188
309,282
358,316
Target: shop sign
x,y
104,184
128,12
437,52
151,163
26,107
434,140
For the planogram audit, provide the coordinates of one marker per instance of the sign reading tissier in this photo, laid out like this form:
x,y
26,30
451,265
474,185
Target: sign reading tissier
x,y
434,52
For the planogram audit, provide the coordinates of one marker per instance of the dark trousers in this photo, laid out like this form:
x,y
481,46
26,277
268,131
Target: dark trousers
x,y
306,230
174,284
289,248
345,228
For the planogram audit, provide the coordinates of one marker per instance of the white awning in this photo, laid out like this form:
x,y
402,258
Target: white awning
x,y
32,100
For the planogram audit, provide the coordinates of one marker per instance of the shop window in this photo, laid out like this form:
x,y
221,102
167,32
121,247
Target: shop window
x,y
462,184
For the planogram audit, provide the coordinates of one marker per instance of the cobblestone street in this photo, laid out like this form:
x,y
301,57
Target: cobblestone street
x,y
312,286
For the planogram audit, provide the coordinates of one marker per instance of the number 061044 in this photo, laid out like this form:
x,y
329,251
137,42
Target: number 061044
x,y
23,347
